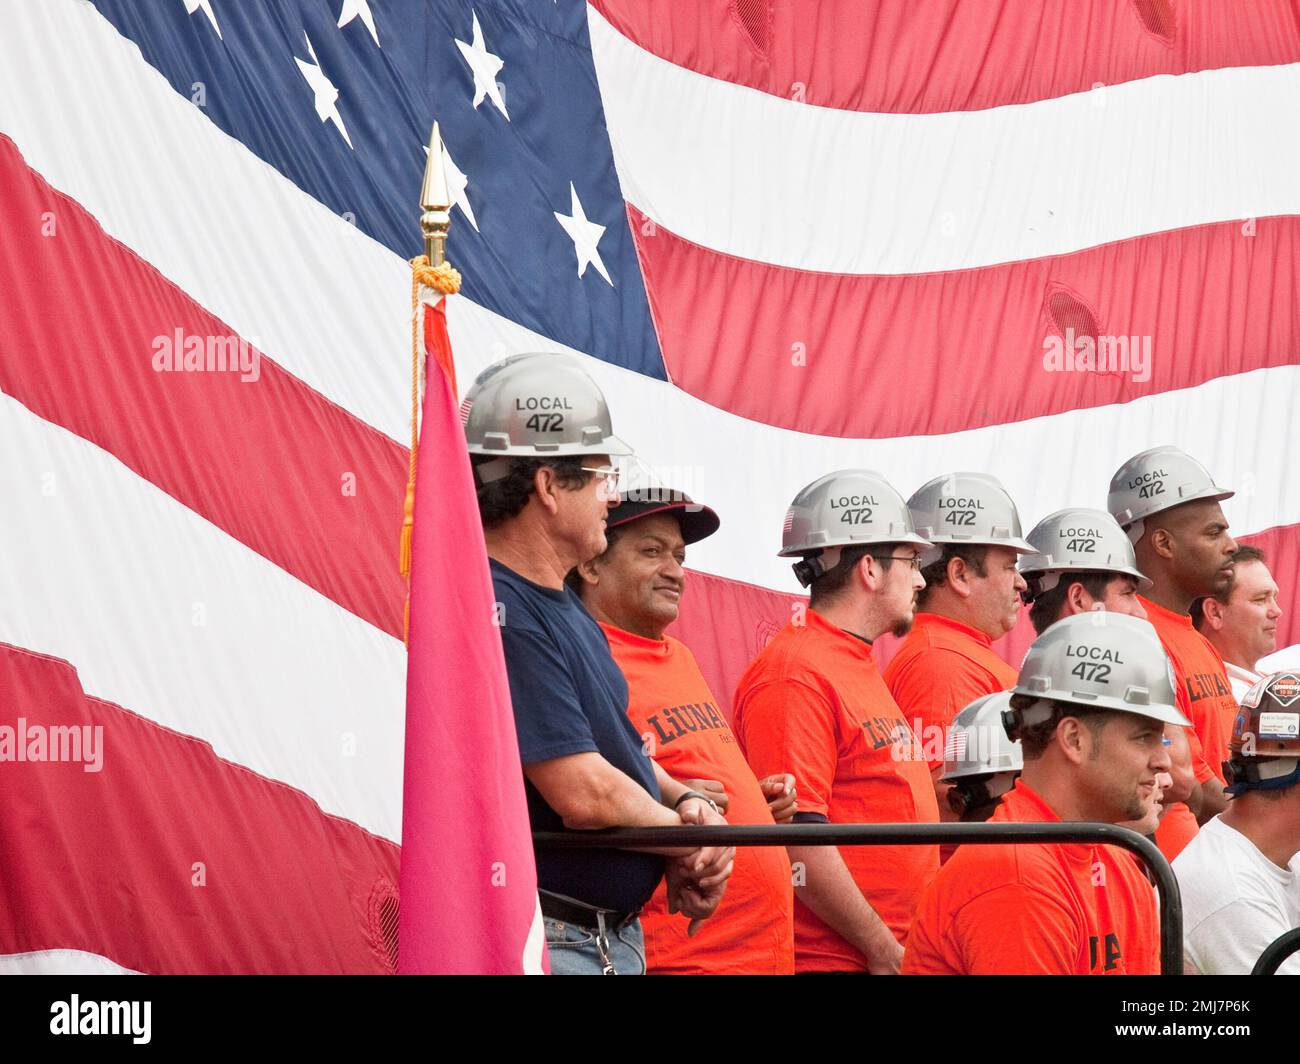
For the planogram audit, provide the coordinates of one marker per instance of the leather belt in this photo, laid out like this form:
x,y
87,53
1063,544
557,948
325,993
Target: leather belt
x,y
571,911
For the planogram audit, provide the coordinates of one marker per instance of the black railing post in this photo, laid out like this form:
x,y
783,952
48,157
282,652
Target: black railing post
x,y
1171,905
1278,951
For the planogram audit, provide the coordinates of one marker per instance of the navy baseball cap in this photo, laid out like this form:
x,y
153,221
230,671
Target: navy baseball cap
x,y
697,521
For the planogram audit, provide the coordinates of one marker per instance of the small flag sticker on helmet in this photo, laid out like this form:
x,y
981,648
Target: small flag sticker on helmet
x,y
955,748
789,521
465,405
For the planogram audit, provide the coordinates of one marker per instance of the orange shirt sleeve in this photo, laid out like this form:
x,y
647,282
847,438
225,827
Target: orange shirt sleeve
x,y
1200,766
789,727
1016,929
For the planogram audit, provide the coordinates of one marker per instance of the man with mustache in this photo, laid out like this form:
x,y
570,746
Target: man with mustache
x,y
634,590
1089,710
971,597
1168,504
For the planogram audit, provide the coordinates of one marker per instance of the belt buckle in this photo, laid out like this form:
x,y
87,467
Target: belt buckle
x,y
602,945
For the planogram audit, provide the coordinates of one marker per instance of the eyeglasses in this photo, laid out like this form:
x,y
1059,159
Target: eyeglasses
x,y
608,474
914,561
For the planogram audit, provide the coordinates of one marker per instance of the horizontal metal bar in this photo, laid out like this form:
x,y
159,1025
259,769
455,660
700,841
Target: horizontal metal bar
x,y
1171,906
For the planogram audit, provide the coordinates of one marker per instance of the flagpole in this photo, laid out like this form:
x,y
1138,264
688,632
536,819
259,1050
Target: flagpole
x,y
435,221
435,203
464,810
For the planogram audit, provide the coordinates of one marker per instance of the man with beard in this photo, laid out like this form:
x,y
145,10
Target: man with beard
x,y
813,704
982,764
1169,505
1089,710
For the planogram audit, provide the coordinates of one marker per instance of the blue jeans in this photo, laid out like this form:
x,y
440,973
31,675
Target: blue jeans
x,y
574,951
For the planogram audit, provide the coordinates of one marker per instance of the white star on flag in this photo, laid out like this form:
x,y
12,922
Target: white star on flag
x,y
585,236
192,6
353,8
326,94
457,185
485,66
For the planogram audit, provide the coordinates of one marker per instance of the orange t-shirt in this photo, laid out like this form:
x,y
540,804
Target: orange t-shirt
x,y
1055,909
813,703
670,704
1201,685
1176,829
941,668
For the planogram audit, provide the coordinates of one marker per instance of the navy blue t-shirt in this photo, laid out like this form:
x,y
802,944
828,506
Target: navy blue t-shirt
x,y
570,697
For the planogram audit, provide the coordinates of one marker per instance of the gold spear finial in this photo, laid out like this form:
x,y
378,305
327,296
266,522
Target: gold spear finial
x,y
436,219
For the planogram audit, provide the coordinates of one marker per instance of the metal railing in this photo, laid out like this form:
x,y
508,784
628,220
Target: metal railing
x,y
1171,903
1278,951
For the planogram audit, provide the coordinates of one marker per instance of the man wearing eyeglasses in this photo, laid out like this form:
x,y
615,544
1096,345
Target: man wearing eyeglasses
x,y
541,446
813,703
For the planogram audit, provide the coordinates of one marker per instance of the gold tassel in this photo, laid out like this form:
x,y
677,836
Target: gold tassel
x,y
408,526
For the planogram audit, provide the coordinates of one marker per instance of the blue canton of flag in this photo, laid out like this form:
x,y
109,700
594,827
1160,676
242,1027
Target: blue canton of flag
x,y
540,225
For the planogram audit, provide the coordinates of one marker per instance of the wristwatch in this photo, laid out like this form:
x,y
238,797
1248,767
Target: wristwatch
x,y
702,797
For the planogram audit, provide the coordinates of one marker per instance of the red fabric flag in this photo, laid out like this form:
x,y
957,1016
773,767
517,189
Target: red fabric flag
x,y
468,880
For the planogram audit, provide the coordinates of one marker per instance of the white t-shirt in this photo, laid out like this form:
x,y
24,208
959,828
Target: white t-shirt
x,y
1236,902
1242,680
1285,660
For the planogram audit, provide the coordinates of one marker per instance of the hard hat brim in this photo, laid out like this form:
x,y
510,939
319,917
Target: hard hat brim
x,y
1023,696
1144,583
799,550
1020,546
958,774
610,445
1213,493
615,448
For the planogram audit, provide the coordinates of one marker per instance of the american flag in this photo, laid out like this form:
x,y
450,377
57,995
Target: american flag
x,y
955,746
786,238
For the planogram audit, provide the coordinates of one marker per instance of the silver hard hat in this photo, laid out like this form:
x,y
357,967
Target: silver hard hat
x,y
1073,540
1156,480
966,509
1100,660
977,743
852,506
538,405
847,508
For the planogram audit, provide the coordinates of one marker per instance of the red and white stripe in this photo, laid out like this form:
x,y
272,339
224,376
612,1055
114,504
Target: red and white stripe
x,y
183,549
